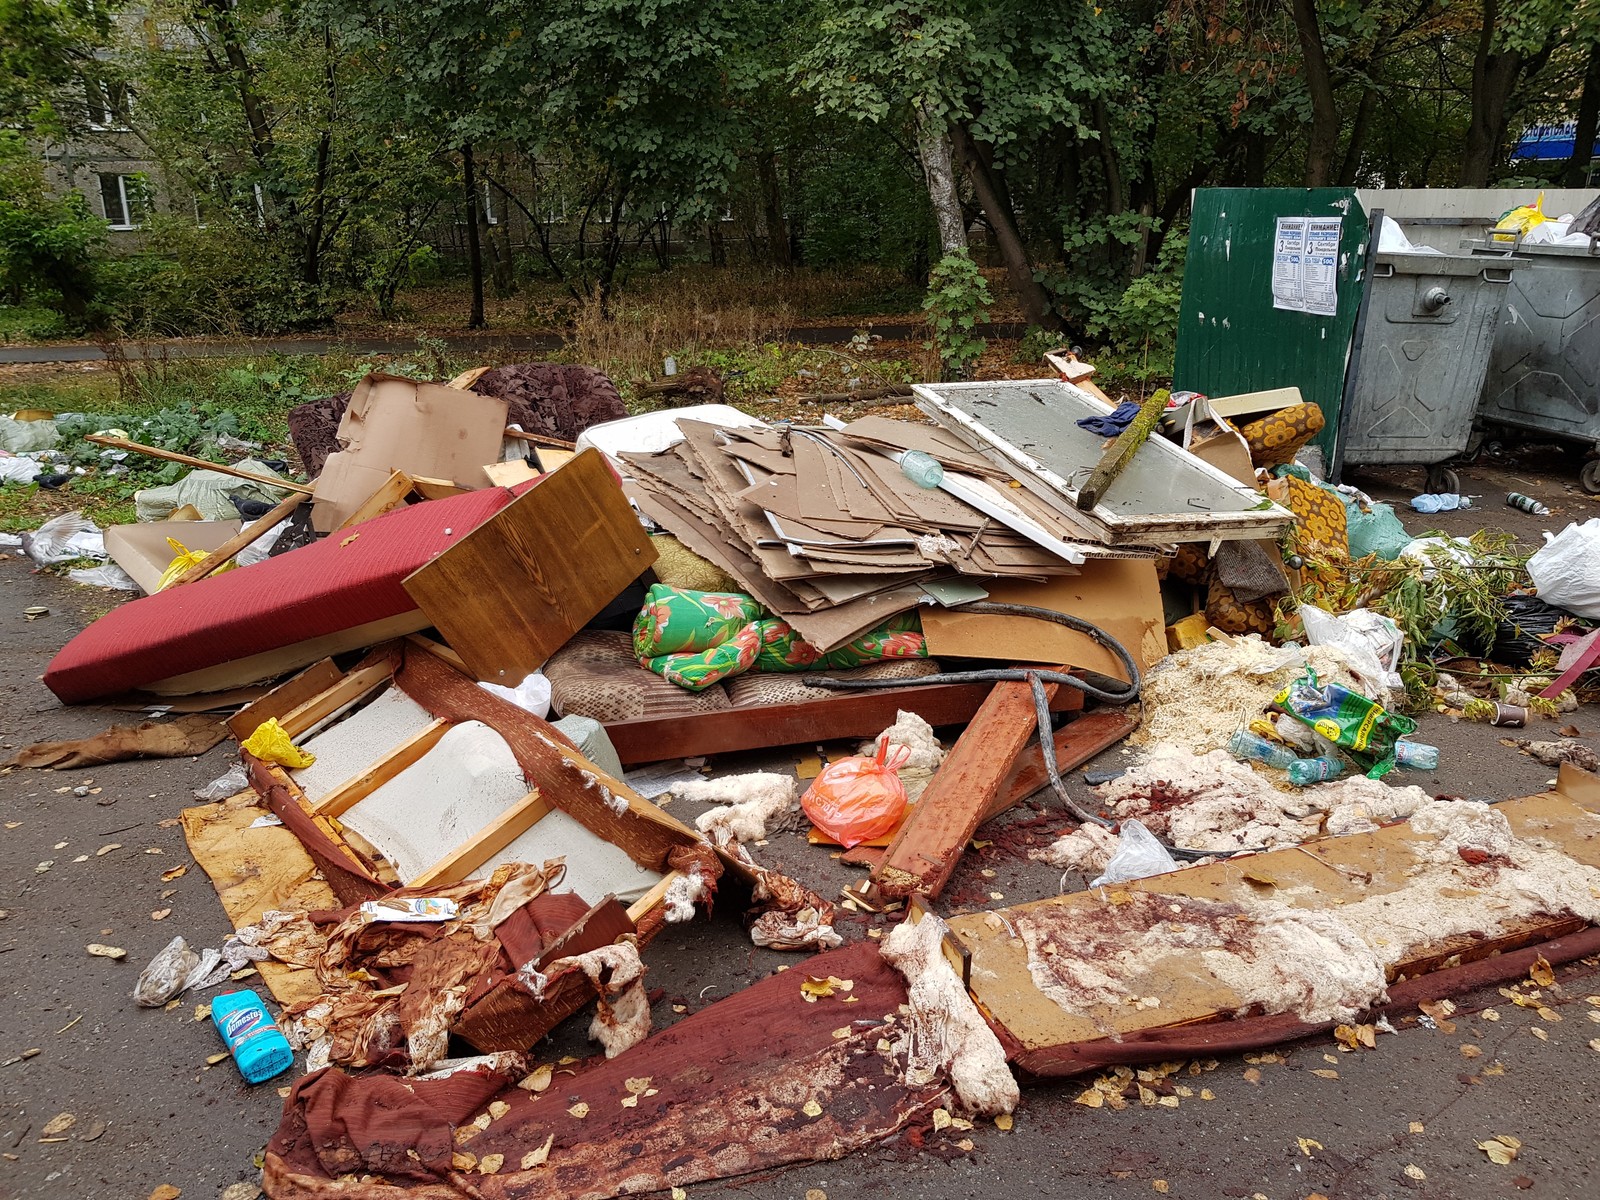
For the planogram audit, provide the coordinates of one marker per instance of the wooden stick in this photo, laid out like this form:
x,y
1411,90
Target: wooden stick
x,y
389,495
1123,449
356,789
494,837
101,439
868,393
348,690
540,439
467,378
653,897
224,554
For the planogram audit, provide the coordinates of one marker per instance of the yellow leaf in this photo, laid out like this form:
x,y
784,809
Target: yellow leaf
x,y
1416,1127
1501,1150
1541,974
166,1192
1090,1098
630,1102
960,1123
1415,1172
1468,1050
1494,1068
1003,1122
1326,1073
1540,1034
59,1123
538,1079
214,1059
842,1032
811,1108
816,1194
1307,1145
1207,1094
537,1158
169,876
1549,1014
965,1144
490,1164
1161,1186
1490,1014
579,1110
1252,1075
941,1120
463,1161
638,1085
1168,1102
480,1122
498,1109
678,1193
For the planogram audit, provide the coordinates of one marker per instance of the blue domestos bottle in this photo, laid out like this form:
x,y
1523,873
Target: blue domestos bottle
x,y
257,1044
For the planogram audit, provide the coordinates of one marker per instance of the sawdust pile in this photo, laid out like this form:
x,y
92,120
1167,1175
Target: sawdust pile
x,y
1196,698
946,1032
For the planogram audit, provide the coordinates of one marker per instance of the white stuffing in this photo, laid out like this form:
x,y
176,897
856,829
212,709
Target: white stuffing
x,y
1087,848
916,735
803,930
1464,825
749,804
683,893
622,1013
946,1032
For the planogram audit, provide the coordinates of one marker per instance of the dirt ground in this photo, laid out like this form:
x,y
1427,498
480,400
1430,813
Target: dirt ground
x,y
150,1111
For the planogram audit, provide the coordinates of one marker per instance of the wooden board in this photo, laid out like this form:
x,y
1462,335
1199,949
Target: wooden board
x,y
488,841
356,789
389,495
286,697
1076,743
511,592
1319,875
845,715
924,853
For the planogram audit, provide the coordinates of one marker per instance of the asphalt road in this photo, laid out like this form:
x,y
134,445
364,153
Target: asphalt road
x,y
149,1111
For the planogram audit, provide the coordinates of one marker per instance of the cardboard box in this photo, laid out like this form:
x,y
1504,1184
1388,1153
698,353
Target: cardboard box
x,y
142,550
395,424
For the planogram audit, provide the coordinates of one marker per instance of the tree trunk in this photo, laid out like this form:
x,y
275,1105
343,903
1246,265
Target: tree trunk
x,y
1494,77
1324,139
1019,270
1350,168
1576,173
469,180
719,252
939,173
772,205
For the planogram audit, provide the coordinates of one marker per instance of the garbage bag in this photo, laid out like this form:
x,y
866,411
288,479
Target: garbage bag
x,y
1138,855
1358,725
1566,570
270,743
1371,643
22,436
185,559
1521,219
15,469
858,799
166,975
208,491
532,694
64,537
1375,530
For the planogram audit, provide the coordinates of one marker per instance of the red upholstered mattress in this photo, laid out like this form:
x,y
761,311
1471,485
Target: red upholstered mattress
x,y
346,580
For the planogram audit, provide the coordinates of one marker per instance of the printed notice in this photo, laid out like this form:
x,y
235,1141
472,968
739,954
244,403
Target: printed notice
x,y
1320,281
1287,283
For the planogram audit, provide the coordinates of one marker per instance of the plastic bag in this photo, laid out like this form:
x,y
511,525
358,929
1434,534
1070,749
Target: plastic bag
x,y
231,783
185,559
858,799
209,492
261,549
1357,724
1520,219
270,743
532,694
1371,643
1375,530
21,436
1138,856
64,537
166,975
14,469
1566,570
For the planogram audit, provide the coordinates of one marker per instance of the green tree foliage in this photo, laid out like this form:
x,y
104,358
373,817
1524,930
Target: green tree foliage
x,y
958,301
47,242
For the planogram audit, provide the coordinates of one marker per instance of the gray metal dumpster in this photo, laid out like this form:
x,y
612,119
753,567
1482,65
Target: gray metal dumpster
x,y
1544,372
1418,360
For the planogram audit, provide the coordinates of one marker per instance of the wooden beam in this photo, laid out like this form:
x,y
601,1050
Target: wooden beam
x,y
487,842
356,789
467,378
925,851
1076,743
390,495
285,698
101,439
349,689
1134,435
653,897
541,439
436,489
225,553
439,650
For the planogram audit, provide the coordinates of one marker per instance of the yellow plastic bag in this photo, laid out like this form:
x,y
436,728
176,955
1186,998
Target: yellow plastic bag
x,y
186,559
270,743
1520,220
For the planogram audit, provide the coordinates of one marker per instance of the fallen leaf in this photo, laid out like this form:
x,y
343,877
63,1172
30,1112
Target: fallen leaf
x,y
538,1079
112,952
1168,1102
965,1144
166,1191
93,1132
1490,1014
1494,1068
58,1124
1307,1145
242,974
244,1190
1207,1094
1325,1073
1468,1050
1549,1014
1594,1044
214,1059
1540,1034
1160,1185
490,1164
155,850
1252,1075
816,1194
941,1119
1003,1122
161,914
842,1032
169,876
108,848
1415,1172
1541,974
811,987
1501,1149
678,1193
579,1110
630,1102
463,1161
811,1108
537,1158
498,1109
171,1004
1415,1127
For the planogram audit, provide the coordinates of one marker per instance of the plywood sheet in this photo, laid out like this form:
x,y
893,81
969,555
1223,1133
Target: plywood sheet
x,y
512,591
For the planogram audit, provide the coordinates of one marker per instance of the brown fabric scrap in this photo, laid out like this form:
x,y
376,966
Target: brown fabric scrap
x,y
186,736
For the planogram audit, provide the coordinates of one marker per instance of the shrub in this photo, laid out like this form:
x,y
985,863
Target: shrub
x,y
958,300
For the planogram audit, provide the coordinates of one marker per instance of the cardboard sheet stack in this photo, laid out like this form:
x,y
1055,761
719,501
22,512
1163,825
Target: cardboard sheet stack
x,y
823,527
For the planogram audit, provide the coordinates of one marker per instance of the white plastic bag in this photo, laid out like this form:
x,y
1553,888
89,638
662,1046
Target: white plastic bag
x,y
1567,569
1138,856
533,694
18,469
231,783
107,575
167,974
1371,643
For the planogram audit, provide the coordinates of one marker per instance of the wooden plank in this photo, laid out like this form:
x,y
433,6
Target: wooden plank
x,y
467,378
551,458
844,715
349,689
439,650
924,853
226,552
509,474
389,495
487,842
436,489
283,485
653,897
514,590
1076,743
285,698
356,789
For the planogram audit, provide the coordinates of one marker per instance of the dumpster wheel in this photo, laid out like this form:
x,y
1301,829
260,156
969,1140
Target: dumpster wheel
x,y
1590,476
1445,480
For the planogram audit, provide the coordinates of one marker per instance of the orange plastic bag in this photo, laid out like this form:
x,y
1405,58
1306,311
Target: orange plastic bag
x,y
857,799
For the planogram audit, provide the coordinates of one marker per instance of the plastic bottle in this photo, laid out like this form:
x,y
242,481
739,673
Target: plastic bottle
x,y
256,1043
1432,502
1416,755
1527,504
1244,744
1314,770
922,469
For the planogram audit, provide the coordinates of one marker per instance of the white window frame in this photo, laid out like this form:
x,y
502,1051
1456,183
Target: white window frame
x,y
96,95
126,222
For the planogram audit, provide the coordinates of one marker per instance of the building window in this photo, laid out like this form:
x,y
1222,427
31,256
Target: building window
x,y
106,102
123,200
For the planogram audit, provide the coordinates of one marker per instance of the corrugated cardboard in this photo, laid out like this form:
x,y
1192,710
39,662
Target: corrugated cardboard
x,y
142,550
1120,596
395,424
